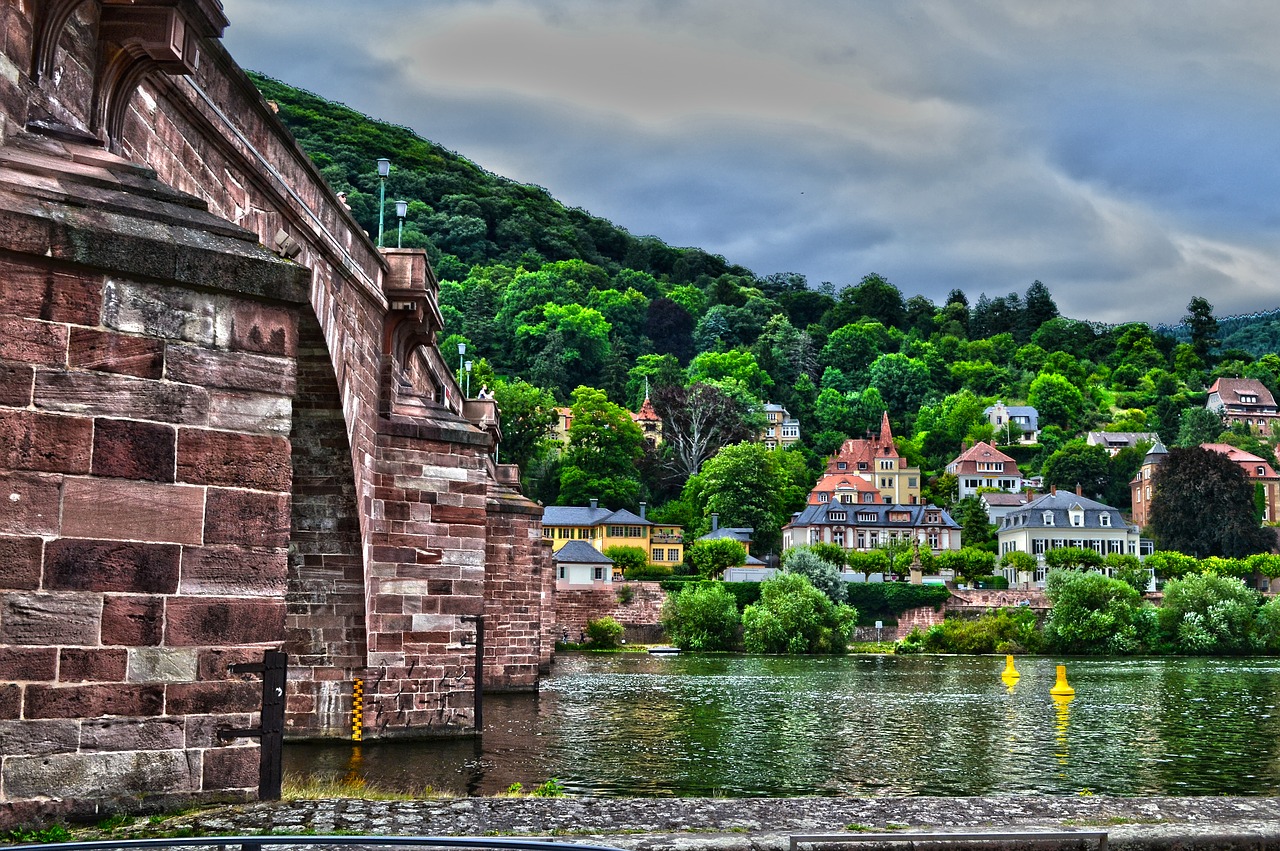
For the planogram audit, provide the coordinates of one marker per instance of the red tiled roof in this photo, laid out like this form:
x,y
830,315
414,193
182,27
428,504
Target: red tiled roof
x,y
1230,389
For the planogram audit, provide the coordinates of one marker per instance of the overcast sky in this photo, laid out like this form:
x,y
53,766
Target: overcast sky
x,y
1127,154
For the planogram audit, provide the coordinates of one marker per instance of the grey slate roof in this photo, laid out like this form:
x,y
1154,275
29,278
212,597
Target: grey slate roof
x,y
741,534
1060,505
580,552
581,515
1031,414
820,514
1155,455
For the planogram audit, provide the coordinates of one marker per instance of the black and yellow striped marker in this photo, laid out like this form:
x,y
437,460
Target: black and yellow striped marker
x,y
357,710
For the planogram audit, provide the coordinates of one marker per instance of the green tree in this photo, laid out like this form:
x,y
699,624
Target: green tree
x,y
1057,400
1207,615
876,298
822,574
1197,426
1072,558
851,349
749,485
1202,505
904,383
1079,463
580,334
702,616
1092,614
1203,326
736,366
794,617
604,447
628,558
604,633
976,528
528,418
711,558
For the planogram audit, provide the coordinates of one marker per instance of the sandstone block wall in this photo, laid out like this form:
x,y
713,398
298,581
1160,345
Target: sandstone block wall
x,y
640,617
144,490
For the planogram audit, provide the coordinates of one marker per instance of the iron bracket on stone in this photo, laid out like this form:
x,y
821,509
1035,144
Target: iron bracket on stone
x,y
274,668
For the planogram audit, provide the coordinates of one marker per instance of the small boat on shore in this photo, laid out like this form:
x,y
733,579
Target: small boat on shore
x,y
665,651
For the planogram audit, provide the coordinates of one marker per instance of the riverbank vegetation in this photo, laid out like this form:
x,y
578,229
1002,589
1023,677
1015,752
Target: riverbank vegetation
x,y
1199,614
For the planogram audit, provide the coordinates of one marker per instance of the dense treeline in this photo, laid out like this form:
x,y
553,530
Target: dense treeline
x,y
557,306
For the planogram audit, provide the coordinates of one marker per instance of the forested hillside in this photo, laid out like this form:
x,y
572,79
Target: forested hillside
x,y
557,306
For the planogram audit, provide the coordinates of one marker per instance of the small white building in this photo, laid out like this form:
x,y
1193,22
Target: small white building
x,y
1005,418
580,565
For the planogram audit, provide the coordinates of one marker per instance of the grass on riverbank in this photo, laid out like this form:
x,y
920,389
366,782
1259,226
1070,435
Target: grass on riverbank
x,y
323,788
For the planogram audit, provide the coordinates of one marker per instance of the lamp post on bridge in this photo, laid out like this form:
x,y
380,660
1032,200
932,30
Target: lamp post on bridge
x,y
468,365
462,350
384,169
402,209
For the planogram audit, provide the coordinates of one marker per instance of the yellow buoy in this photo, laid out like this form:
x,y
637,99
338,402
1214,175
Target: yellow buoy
x,y
1061,687
1010,672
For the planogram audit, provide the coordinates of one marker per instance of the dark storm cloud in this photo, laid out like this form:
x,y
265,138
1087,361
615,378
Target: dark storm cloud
x,y
1124,154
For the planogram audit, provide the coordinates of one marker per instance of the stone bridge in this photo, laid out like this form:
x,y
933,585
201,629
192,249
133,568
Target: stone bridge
x,y
225,427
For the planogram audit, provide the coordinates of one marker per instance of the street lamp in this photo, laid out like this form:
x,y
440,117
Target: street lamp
x,y
462,350
384,169
468,365
402,209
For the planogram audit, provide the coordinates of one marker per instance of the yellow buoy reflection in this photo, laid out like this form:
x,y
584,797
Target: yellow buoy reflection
x,y
1062,707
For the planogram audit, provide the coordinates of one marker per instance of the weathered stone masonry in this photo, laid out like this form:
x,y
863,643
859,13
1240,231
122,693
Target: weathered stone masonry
x,y
224,427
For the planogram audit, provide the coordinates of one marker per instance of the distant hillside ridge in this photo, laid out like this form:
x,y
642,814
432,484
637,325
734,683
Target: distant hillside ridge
x,y
460,213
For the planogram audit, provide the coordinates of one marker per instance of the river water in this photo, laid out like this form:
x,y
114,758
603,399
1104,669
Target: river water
x,y
737,726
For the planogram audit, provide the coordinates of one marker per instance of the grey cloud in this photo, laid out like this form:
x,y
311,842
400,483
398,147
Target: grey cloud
x,y
1121,153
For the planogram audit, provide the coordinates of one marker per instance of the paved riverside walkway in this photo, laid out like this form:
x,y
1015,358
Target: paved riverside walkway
x,y
761,824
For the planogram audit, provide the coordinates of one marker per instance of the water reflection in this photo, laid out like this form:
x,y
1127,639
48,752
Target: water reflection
x,y
743,726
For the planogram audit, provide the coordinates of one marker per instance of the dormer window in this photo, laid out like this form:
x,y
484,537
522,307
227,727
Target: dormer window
x,y
838,516
867,517
1262,471
1249,398
868,497
1104,519
842,465
1077,518
822,497
1048,518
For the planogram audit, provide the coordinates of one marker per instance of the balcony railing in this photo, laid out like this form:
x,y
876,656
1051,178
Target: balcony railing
x,y
666,539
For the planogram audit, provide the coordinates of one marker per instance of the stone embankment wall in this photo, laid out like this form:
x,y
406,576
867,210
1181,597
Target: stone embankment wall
x,y
225,426
639,616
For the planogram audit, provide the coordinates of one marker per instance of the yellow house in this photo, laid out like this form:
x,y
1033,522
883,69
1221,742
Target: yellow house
x,y
603,528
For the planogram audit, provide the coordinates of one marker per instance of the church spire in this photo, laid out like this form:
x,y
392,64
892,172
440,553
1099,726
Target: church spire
x,y
886,433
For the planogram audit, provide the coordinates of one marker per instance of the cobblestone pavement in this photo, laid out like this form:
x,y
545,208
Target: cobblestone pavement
x,y
759,824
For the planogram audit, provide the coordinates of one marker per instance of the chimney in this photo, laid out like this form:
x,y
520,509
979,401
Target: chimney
x,y
1053,489
644,506
595,503
715,522
1079,490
